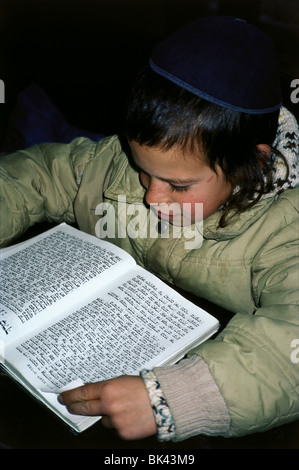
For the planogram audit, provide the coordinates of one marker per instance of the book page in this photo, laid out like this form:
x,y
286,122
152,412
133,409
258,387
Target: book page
x,y
40,276
139,323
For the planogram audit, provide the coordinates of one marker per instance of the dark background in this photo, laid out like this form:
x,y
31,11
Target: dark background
x,y
84,53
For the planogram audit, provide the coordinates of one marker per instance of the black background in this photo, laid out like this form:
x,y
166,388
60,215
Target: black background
x,y
84,54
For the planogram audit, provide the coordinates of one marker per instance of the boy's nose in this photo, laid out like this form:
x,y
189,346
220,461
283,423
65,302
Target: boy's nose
x,y
157,193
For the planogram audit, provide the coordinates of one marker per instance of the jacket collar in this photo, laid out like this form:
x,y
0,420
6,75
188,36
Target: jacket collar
x,y
238,223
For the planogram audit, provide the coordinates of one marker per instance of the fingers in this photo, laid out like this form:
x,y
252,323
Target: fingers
x,y
123,403
86,408
98,398
83,393
84,400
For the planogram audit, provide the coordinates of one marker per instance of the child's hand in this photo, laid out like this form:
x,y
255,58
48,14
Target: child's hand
x,y
123,402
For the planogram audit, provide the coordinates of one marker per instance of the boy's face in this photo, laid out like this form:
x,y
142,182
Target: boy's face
x,y
171,176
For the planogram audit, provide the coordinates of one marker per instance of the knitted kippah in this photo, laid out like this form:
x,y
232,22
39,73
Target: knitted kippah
x,y
225,60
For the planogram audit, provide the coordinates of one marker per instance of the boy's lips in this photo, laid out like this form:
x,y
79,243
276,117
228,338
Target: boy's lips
x,y
173,217
163,216
170,217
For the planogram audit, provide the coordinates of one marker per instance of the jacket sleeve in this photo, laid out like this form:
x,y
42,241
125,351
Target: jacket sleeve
x,y
252,362
40,184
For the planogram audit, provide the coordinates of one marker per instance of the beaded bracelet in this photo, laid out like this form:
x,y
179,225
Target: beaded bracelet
x,y
163,416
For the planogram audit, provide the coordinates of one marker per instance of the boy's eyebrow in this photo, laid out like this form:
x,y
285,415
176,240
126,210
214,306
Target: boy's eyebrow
x,y
178,181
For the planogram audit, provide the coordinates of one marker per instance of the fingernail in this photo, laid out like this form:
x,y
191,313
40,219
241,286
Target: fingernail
x,y
60,399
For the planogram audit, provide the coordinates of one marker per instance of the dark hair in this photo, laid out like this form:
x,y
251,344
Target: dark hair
x,y
162,114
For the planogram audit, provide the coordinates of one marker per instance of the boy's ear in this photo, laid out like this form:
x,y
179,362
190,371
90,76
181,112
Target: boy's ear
x,y
264,154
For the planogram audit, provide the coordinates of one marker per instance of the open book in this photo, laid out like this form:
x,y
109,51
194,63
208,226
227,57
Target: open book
x,y
77,309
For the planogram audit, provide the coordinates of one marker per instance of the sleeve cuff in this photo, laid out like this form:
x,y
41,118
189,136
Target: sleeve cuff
x,y
194,399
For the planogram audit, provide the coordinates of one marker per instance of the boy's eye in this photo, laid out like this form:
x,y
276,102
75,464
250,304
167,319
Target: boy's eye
x,y
178,188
